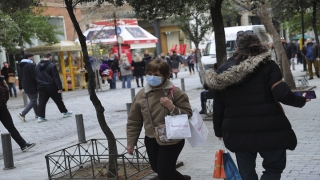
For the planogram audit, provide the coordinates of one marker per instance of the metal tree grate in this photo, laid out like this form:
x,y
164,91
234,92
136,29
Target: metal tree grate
x,y
90,160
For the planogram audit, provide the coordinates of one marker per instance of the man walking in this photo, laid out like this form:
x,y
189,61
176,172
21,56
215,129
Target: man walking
x,y
311,53
8,71
290,50
28,83
49,86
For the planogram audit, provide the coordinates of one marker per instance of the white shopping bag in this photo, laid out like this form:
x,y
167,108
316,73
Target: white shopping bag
x,y
178,127
199,130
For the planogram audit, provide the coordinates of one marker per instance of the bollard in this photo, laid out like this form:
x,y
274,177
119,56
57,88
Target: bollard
x,y
80,128
128,108
182,85
133,93
7,151
25,99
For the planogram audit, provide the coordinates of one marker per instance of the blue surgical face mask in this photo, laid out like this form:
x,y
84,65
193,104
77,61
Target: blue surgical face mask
x,y
154,80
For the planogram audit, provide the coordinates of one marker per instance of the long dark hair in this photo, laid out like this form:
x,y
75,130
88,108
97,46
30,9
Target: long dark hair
x,y
248,45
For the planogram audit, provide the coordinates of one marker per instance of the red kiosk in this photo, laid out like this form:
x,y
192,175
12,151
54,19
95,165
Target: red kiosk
x,y
134,37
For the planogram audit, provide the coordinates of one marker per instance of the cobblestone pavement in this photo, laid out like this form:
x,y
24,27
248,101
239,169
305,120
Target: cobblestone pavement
x,y
58,132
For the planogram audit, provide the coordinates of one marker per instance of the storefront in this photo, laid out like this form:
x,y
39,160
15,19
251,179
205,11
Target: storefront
x,y
69,61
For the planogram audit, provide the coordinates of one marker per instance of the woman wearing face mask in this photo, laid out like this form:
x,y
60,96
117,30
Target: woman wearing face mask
x,y
157,90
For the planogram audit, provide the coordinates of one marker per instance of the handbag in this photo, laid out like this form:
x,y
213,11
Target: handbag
x,y
218,171
230,168
199,130
11,79
105,72
160,131
177,126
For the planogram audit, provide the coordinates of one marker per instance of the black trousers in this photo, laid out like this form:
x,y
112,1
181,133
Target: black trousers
x,y
274,162
6,120
191,67
163,159
46,92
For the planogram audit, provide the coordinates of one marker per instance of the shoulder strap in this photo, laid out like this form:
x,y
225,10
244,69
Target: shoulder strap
x,y
172,91
151,119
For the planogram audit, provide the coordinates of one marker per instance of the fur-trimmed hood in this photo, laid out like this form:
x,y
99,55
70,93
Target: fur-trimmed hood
x,y
230,73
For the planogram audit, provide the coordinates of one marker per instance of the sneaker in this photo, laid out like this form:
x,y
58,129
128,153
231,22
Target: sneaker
x,y
311,78
67,114
23,119
27,146
40,120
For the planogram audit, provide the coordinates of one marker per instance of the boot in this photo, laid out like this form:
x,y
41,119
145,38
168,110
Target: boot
x,y
142,82
137,80
186,177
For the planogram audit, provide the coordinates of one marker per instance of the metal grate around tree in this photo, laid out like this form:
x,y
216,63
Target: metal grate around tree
x,y
90,160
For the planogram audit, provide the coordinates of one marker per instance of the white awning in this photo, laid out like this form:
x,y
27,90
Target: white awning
x,y
142,46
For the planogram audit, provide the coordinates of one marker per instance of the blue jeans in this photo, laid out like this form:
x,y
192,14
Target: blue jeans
x,y
197,67
114,80
128,79
12,86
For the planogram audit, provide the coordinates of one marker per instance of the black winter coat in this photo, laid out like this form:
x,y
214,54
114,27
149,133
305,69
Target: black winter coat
x,y
290,50
139,68
48,75
114,65
5,72
146,59
246,111
27,77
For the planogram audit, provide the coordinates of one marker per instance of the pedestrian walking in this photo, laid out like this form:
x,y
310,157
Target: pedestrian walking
x,y
191,61
311,53
175,60
125,69
138,68
113,63
6,119
247,114
156,96
7,72
28,84
167,59
298,52
49,86
290,50
146,58
273,52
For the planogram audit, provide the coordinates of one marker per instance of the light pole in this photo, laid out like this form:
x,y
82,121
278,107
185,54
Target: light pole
x,y
302,26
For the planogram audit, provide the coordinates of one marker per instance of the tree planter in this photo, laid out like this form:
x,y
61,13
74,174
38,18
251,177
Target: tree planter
x,y
90,161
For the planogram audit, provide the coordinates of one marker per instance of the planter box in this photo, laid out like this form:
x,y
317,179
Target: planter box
x,y
90,160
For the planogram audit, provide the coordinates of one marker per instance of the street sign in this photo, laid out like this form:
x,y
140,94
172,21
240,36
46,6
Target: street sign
x,y
120,40
118,30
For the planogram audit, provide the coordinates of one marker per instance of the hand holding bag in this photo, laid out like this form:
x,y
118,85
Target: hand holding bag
x,y
199,130
160,131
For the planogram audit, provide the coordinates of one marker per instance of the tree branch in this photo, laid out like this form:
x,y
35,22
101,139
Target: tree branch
x,y
242,4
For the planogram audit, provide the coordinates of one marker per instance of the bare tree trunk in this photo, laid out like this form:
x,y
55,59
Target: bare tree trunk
x,y
220,37
93,96
201,69
314,21
266,21
262,13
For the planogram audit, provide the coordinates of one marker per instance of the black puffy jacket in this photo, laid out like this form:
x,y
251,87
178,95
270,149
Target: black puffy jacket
x,y
27,77
47,74
246,111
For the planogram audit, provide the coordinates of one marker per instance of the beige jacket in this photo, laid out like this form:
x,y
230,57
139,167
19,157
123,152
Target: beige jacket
x,y
139,115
